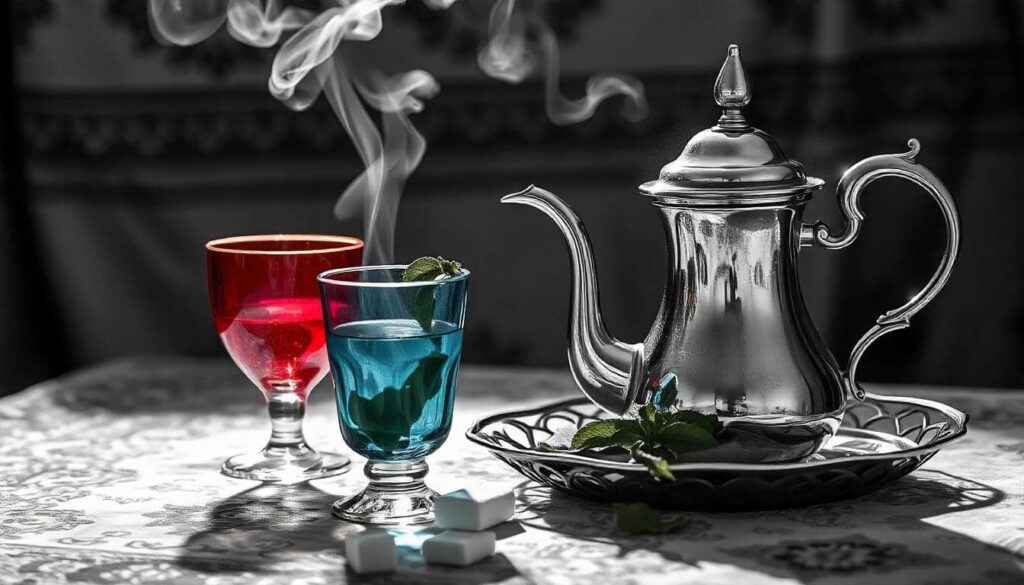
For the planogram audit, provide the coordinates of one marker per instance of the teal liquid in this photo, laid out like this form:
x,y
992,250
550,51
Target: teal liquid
x,y
394,385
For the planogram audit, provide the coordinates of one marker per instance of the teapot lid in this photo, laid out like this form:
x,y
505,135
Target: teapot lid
x,y
731,162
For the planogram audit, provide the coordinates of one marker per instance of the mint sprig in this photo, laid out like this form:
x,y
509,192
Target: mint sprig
x,y
387,418
428,268
654,437
431,267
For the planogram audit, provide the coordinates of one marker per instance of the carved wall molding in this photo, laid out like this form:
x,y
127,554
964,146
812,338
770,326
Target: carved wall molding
x,y
875,91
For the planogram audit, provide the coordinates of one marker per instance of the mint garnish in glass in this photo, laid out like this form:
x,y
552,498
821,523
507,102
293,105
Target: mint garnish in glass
x,y
429,268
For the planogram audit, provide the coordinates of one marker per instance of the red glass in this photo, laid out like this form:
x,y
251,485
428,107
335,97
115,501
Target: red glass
x,y
266,307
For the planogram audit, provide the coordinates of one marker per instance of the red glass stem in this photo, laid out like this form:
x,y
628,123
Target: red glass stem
x,y
286,411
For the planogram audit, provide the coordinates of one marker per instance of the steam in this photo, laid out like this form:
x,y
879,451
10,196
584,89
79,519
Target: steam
x,y
258,26
389,162
316,43
509,56
185,22
313,61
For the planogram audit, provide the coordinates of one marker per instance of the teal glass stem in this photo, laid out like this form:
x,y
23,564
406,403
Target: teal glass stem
x,y
394,349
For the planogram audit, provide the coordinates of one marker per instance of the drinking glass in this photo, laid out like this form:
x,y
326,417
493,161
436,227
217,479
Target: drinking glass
x,y
266,307
394,350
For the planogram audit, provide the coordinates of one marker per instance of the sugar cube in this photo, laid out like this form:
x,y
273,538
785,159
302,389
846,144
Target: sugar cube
x,y
473,509
372,551
458,548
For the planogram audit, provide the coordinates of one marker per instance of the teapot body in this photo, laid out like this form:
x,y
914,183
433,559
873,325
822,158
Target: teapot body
x,y
734,333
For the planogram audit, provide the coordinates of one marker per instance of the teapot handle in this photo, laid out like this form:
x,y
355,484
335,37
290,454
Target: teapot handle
x,y
854,180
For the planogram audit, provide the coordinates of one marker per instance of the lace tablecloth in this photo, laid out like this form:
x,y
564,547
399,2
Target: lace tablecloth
x,y
110,476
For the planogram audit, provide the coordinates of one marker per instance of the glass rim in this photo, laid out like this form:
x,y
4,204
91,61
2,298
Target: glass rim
x,y
325,277
341,244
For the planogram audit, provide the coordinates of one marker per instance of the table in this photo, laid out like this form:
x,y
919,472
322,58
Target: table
x,y
110,476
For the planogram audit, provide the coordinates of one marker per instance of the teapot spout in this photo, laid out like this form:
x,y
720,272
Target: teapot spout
x,y
608,371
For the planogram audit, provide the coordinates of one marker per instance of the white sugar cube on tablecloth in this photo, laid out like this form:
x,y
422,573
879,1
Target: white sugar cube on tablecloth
x,y
458,548
372,551
473,509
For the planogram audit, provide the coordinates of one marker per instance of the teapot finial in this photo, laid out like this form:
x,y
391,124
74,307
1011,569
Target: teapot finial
x,y
732,91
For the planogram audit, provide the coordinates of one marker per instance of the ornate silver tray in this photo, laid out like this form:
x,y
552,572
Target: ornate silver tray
x,y
881,439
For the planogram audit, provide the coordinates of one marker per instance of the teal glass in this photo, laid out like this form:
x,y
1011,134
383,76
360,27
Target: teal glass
x,y
394,348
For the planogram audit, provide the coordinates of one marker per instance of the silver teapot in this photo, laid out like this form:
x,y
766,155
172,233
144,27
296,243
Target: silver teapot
x,y
732,336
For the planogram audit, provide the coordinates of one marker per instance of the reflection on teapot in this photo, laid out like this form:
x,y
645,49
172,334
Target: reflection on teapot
x,y
732,329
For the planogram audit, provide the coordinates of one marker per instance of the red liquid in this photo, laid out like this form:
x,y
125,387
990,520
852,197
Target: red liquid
x,y
279,344
266,304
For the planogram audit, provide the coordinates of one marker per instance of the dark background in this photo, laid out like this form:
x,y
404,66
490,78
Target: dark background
x,y
121,157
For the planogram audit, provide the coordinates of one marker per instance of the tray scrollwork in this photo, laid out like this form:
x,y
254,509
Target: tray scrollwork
x,y
881,439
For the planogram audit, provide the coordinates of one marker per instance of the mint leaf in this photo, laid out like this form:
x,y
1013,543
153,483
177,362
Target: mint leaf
x,y
383,419
708,422
450,267
430,267
599,434
424,383
616,432
659,469
650,420
649,414
640,519
425,268
387,418
682,437
655,464
423,307
595,431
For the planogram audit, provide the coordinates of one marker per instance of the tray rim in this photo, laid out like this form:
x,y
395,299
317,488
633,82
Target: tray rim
x,y
473,434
